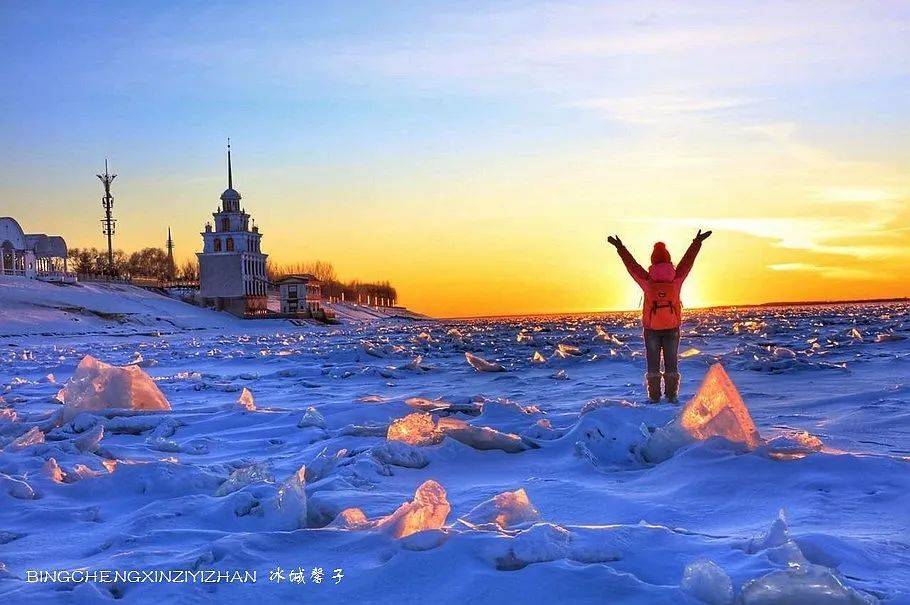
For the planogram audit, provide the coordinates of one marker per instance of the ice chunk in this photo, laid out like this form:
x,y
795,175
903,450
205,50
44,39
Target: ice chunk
x,y
505,510
889,337
428,510
793,446
718,410
90,440
439,405
524,338
290,500
705,581
559,375
80,472
415,365
417,428
8,415
242,477
97,386
566,350
538,358
246,401
311,417
480,437
783,353
803,584
482,365
690,352
350,518
53,470
399,453
777,535
604,336
372,349
34,436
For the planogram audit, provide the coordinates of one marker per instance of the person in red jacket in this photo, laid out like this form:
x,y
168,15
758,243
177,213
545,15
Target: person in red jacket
x,y
662,312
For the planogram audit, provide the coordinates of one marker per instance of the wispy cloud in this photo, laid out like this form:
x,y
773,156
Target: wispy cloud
x,y
652,109
832,272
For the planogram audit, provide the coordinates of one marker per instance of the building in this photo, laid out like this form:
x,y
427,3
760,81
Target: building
x,y
301,294
33,255
231,265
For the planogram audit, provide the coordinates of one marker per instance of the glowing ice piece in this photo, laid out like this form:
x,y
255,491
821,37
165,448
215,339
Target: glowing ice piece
x,y
690,352
717,410
415,429
480,437
34,436
538,358
428,510
482,365
246,400
350,518
53,470
507,509
99,386
565,351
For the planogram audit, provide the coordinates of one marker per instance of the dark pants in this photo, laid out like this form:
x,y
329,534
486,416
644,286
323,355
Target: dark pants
x,y
664,342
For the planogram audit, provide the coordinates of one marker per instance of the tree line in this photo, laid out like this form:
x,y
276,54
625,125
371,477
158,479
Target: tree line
x,y
154,263
332,286
148,263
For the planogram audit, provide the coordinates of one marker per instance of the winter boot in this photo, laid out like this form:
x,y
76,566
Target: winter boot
x,y
671,386
653,381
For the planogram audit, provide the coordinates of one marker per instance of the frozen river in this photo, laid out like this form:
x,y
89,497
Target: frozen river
x,y
194,488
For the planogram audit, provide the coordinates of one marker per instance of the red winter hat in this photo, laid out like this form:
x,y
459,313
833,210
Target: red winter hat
x,y
660,254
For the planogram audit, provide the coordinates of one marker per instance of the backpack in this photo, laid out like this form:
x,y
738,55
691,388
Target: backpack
x,y
664,311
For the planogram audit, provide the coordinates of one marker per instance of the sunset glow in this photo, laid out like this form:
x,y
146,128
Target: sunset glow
x,y
475,157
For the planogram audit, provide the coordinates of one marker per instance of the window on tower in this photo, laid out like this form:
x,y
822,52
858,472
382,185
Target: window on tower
x,y
229,244
225,224
217,244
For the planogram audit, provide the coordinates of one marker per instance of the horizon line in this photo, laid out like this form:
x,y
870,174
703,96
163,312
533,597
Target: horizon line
x,y
793,303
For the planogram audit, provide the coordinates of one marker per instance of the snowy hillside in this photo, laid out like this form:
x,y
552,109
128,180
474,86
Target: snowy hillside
x,y
486,461
29,307
32,307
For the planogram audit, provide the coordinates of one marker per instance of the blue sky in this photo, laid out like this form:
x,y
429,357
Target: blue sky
x,y
510,126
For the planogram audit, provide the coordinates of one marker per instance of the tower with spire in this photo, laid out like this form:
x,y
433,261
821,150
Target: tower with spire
x,y
171,265
231,265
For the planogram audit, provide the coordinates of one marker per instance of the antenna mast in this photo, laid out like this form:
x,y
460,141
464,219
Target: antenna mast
x,y
109,222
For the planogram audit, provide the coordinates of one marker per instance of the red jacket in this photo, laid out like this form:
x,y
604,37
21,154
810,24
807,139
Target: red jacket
x,y
661,272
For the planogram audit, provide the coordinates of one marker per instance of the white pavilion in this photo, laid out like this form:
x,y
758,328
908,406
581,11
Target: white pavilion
x,y
32,255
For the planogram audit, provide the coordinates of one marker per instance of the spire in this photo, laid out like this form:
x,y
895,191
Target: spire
x,y
230,175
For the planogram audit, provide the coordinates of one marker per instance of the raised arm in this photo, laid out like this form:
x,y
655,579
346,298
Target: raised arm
x,y
688,259
637,272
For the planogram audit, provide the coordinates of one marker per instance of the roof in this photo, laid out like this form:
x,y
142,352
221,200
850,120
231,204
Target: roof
x,y
304,278
230,194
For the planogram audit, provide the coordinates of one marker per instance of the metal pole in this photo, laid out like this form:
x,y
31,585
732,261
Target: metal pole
x,y
108,221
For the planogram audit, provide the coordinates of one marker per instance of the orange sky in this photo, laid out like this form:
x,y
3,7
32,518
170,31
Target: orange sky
x,y
478,160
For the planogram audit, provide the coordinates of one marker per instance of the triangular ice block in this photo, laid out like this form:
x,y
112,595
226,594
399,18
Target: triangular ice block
x,y
717,410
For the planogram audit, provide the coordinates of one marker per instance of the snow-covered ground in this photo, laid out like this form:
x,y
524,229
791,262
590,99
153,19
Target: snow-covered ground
x,y
257,480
